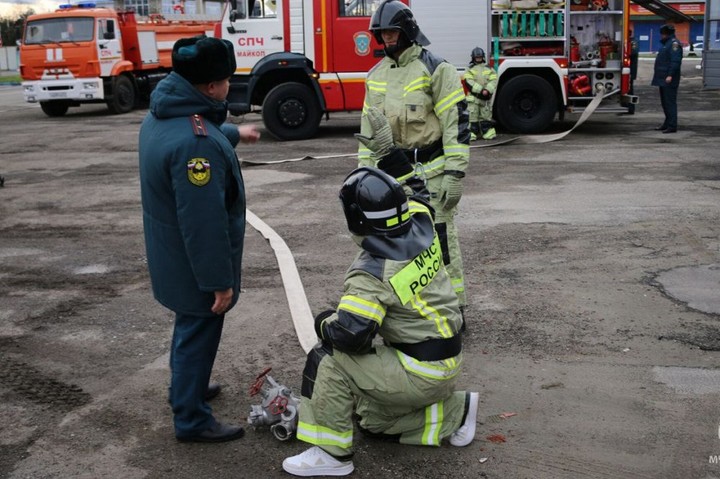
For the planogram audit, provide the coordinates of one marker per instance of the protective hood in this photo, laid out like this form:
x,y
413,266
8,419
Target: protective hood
x,y
404,246
176,97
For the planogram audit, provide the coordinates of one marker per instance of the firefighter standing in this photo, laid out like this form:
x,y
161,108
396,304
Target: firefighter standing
x,y
481,81
424,103
667,76
397,288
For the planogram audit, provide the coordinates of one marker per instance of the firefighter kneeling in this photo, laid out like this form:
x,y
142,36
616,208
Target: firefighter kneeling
x,y
481,80
403,388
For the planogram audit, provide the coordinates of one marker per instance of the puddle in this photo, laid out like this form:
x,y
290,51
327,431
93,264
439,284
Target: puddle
x,y
92,269
698,286
689,380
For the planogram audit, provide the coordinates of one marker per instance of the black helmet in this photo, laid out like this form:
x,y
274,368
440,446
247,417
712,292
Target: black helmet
x,y
395,15
374,203
667,29
477,52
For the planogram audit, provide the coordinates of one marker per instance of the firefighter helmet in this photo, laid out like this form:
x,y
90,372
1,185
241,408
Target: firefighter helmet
x,y
477,52
374,203
395,15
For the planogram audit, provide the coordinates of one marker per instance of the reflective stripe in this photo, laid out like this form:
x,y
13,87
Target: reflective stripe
x,y
323,436
379,215
364,153
416,207
449,370
431,314
434,415
378,86
362,307
418,83
452,99
462,150
395,220
433,168
458,285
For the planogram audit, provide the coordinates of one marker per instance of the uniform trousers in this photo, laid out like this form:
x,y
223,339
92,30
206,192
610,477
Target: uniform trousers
x,y
668,100
195,343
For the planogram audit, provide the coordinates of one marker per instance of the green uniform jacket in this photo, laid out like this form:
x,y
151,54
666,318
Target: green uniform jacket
x,y
405,302
478,78
423,99
193,198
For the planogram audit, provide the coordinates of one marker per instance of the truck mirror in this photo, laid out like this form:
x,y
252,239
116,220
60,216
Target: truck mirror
x,y
237,11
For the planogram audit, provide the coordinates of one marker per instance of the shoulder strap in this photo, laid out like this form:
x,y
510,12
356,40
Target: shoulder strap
x,y
198,125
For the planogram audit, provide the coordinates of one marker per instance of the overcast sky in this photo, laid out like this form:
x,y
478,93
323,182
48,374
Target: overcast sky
x,y
14,7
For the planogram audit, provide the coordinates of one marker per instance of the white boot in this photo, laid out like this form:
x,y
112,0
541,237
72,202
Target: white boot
x,y
316,462
466,432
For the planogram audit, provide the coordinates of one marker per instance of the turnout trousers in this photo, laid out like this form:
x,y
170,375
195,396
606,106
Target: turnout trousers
x,y
195,343
449,240
391,402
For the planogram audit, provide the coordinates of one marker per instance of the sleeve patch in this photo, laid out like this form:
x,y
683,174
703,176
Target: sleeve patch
x,y
675,46
198,171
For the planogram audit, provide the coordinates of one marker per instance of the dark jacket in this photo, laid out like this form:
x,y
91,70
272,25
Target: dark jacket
x,y
193,198
667,63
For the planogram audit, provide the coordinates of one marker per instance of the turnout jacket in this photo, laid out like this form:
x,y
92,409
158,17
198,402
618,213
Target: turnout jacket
x,y
479,77
405,302
193,198
667,63
423,99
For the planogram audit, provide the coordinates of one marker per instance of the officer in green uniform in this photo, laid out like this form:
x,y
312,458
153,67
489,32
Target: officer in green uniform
x,y
397,288
666,76
424,102
481,81
193,202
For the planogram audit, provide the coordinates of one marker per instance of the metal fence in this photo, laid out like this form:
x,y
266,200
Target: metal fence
x,y
8,58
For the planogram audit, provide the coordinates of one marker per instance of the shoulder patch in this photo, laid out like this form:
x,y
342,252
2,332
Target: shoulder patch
x,y
675,45
198,125
198,171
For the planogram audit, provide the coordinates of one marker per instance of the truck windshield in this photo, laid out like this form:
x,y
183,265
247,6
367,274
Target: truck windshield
x,y
59,30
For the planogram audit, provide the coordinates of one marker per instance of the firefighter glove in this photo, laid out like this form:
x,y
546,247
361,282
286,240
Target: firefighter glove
x,y
450,191
485,94
381,141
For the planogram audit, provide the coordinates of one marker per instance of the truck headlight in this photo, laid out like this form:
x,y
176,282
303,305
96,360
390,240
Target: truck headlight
x,y
90,85
29,88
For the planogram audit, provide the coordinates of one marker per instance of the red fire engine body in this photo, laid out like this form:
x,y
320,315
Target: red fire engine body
x,y
82,54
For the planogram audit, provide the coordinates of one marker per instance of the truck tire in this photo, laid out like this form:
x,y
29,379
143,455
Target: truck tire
x,y
54,108
291,112
123,95
526,104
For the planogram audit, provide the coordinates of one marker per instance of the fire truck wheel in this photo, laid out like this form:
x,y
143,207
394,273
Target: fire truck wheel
x,y
291,112
123,95
54,108
526,104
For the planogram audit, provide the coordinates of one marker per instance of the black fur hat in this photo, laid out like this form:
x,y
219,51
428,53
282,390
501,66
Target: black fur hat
x,y
203,59
667,29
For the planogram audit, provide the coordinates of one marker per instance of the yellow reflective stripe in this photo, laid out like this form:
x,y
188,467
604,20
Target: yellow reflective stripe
x,y
395,220
377,86
364,153
462,150
323,436
434,416
428,370
458,285
365,107
452,99
431,314
417,84
362,307
403,178
416,207
417,273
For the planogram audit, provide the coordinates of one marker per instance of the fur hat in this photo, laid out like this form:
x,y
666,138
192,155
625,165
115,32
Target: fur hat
x,y
667,29
203,59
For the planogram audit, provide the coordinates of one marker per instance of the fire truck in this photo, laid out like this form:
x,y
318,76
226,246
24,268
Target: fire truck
x,y
84,54
299,60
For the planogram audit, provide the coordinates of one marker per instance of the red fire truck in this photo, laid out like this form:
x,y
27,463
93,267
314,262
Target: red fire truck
x,y
83,54
298,60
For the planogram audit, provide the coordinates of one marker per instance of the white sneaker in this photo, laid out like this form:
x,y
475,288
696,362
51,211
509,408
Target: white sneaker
x,y
466,433
316,462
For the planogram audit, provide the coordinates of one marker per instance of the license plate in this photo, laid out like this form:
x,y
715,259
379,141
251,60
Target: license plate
x,y
58,94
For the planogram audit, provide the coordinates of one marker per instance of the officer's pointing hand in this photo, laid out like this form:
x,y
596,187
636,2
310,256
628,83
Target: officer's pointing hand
x,y
249,133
